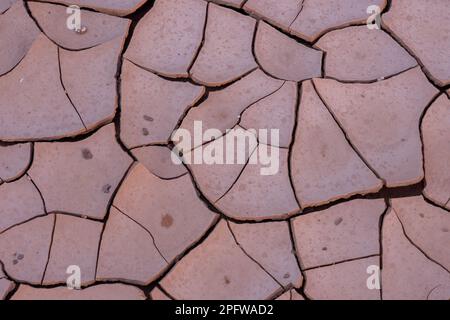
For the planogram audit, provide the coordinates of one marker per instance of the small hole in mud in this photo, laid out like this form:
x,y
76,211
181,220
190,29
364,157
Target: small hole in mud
x,y
167,221
87,154
444,230
148,118
145,132
227,280
106,188
287,276
324,249
338,221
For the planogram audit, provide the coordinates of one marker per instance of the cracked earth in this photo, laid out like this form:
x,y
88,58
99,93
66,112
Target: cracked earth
x,y
86,123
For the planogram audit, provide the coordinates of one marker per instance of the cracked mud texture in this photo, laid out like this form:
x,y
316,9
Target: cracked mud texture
x,y
87,176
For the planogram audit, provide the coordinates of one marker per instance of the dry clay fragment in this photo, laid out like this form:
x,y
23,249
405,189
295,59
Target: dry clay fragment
x,y
169,209
436,140
427,226
346,231
33,104
80,177
128,252
152,106
276,112
158,160
422,26
406,273
89,77
343,281
285,58
19,201
218,269
263,190
114,291
382,121
360,54
75,243
175,28
319,16
18,33
270,245
278,12
223,108
226,54
113,7
216,173
324,165
100,28
25,249
14,160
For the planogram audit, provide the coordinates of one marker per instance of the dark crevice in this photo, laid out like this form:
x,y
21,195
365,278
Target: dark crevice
x,y
39,191
342,261
64,88
165,77
399,41
172,265
14,67
30,14
150,145
251,258
64,5
239,175
194,58
135,19
405,233
165,292
295,253
291,146
302,5
223,133
370,81
243,4
108,212
258,18
146,230
352,145
23,222
422,140
362,22
24,171
380,236
255,57
12,292
49,249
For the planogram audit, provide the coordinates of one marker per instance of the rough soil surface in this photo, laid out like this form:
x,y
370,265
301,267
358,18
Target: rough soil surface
x,y
360,205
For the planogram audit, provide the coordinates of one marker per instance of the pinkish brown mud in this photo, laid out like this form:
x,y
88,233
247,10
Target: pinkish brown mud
x,y
359,207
